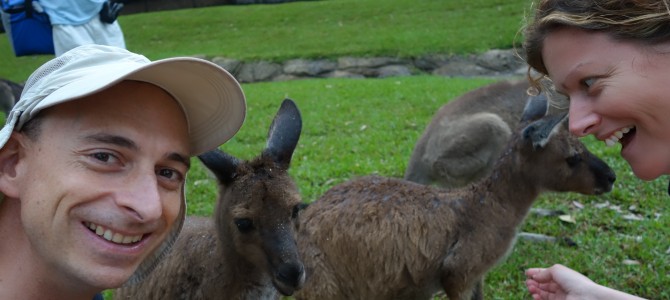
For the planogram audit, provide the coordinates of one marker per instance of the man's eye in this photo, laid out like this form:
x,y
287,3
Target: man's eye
x,y
169,174
102,156
166,173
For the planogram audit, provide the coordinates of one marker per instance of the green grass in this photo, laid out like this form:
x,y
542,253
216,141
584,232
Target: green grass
x,y
345,27
329,28
358,127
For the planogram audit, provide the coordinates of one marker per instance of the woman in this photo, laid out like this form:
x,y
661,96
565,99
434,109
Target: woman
x,y
611,58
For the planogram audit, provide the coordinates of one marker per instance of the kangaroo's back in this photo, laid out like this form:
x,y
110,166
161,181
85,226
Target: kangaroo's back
x,y
372,231
466,135
505,99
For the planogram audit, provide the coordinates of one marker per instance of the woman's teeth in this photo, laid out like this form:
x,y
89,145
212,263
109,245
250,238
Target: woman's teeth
x,y
612,140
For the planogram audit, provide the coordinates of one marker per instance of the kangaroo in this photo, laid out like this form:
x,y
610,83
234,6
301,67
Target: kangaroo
x,y
465,137
247,249
10,93
385,238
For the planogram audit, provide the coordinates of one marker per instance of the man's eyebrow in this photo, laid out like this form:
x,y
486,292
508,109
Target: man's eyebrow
x,y
180,158
112,139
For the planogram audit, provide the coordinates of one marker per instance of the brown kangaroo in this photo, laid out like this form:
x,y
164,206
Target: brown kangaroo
x,y
248,249
466,135
384,238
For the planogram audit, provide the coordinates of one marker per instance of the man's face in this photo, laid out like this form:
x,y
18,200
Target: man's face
x,y
101,186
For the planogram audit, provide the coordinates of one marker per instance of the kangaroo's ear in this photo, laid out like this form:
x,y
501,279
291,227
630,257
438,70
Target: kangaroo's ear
x,y
536,107
540,131
284,133
221,164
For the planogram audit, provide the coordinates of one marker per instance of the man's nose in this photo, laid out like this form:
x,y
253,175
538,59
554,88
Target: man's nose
x,y
142,198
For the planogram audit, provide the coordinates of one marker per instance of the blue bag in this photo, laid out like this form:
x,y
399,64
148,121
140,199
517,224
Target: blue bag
x,y
29,30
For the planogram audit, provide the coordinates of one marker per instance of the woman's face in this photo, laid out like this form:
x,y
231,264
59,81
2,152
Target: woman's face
x,y
619,92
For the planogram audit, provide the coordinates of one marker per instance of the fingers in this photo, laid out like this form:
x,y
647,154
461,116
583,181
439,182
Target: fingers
x,y
538,274
110,11
116,8
543,290
536,287
532,271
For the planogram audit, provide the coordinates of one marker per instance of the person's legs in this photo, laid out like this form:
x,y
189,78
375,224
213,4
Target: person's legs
x,y
67,37
105,33
95,31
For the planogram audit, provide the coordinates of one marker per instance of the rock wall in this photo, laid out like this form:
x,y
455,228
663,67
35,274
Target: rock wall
x,y
493,63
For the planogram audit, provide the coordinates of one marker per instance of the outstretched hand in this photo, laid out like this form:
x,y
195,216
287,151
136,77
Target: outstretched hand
x,y
558,283
110,11
562,283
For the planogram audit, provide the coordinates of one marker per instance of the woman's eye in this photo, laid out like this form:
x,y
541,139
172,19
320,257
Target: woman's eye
x,y
589,82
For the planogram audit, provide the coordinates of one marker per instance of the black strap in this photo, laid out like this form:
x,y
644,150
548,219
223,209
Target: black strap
x,y
27,6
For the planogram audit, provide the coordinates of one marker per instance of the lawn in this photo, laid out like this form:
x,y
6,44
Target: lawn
x,y
357,127
312,29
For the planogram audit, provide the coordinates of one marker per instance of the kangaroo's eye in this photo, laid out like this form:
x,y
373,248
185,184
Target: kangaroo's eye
x,y
573,160
244,225
297,209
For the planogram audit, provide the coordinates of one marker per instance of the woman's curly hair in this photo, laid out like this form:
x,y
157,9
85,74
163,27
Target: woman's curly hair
x,y
643,21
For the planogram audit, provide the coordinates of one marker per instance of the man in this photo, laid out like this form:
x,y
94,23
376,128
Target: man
x,y
93,161
81,22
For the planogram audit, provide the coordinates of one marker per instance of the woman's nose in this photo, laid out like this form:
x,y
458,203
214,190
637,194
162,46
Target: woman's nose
x,y
583,120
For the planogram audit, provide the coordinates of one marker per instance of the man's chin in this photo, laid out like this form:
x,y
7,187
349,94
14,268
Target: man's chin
x,y
108,280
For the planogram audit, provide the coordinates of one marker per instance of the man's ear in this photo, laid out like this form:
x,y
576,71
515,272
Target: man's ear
x,y
9,159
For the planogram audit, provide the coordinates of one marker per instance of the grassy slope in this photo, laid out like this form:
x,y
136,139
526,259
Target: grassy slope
x,y
312,29
357,127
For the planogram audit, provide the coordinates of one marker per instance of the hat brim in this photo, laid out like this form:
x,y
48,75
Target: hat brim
x,y
211,98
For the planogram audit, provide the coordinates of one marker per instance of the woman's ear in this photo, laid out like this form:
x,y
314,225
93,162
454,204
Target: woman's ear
x,y
9,160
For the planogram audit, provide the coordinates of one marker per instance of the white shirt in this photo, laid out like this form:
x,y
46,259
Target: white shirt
x,y
71,12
